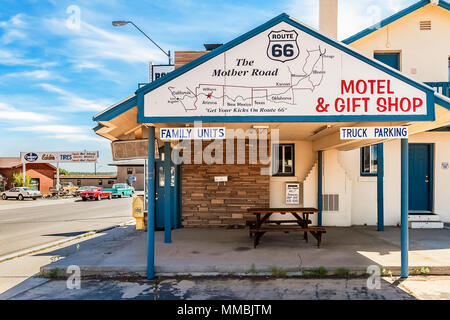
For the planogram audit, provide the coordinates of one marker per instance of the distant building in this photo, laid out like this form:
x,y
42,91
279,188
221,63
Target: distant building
x,y
41,174
105,181
126,168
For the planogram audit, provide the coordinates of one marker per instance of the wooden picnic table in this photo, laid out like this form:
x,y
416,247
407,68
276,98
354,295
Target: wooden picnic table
x,y
262,224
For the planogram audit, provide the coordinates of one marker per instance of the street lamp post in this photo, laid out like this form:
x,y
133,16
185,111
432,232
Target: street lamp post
x,y
122,23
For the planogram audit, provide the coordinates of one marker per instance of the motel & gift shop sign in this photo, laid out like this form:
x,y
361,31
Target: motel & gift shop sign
x,y
284,71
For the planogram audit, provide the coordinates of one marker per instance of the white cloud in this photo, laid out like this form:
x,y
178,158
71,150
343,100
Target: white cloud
x,y
10,113
41,74
12,29
73,102
63,132
355,16
13,58
307,11
92,43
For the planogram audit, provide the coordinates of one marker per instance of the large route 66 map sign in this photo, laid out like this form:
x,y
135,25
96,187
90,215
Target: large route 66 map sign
x,y
284,71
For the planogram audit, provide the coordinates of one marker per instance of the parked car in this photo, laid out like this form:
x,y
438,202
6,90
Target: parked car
x,y
95,193
68,188
21,193
77,193
121,190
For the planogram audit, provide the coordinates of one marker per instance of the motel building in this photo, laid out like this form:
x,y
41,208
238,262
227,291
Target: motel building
x,y
291,89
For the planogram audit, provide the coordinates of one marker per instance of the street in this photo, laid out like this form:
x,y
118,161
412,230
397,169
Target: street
x,y
26,224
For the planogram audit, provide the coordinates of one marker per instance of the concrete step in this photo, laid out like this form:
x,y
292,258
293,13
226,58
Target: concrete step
x,y
426,225
423,217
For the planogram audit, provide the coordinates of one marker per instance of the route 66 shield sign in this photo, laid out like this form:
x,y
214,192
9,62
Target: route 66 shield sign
x,y
283,45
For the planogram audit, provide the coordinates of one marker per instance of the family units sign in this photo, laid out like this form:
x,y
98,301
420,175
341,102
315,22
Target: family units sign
x,y
285,70
52,157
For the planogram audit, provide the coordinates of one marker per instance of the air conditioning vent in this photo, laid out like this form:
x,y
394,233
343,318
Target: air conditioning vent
x,y
425,25
330,202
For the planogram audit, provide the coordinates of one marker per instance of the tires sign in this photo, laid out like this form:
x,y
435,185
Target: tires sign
x,y
54,157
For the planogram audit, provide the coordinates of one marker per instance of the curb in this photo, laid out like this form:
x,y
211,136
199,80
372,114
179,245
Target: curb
x,y
121,272
59,242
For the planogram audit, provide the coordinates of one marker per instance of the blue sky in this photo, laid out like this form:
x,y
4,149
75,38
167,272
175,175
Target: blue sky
x,y
56,74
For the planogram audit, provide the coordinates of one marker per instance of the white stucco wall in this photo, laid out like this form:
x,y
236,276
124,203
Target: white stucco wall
x,y
304,161
364,189
441,186
334,181
424,54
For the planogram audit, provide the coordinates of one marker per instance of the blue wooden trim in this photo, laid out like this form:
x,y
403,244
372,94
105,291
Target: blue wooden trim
x,y
167,188
319,187
431,178
151,205
444,4
442,101
122,107
283,18
404,241
337,118
393,18
180,199
380,189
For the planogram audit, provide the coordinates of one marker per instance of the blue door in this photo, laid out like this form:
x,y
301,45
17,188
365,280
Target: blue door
x,y
175,195
420,177
392,59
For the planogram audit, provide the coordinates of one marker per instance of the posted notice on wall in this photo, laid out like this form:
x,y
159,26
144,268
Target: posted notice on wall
x,y
292,193
350,133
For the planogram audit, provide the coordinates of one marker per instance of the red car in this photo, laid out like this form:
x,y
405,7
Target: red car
x,y
95,193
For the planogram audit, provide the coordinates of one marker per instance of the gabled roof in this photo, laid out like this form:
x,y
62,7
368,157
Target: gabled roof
x,y
138,97
442,100
394,17
116,109
15,162
9,162
293,22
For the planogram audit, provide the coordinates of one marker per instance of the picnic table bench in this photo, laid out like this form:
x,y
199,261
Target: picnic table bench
x,y
261,224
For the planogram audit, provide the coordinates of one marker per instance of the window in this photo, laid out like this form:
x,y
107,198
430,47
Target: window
x,y
129,170
100,182
392,59
78,182
283,160
369,161
110,181
35,183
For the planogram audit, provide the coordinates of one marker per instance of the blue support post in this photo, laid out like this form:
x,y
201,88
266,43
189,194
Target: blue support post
x,y
404,208
380,190
151,204
319,188
167,188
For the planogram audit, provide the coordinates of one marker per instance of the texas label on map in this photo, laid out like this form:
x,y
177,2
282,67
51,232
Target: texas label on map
x,y
283,71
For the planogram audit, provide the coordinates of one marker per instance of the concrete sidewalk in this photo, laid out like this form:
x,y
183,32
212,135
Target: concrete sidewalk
x,y
226,252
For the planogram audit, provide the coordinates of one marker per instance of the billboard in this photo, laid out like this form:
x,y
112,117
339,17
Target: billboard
x,y
159,70
54,157
285,72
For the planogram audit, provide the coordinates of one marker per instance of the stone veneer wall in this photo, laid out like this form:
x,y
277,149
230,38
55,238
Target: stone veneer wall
x,y
206,203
